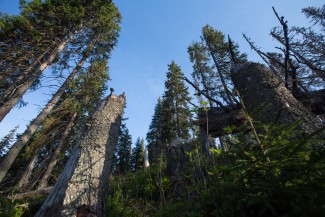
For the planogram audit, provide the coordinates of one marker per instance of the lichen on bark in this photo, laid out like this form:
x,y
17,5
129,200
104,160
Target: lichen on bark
x,y
82,188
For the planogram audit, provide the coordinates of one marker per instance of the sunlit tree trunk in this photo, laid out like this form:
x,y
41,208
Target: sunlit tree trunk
x,y
82,188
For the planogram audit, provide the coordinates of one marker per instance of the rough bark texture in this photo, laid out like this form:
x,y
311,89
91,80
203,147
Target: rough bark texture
x,y
43,181
28,170
29,132
215,120
260,88
82,188
38,192
314,101
18,92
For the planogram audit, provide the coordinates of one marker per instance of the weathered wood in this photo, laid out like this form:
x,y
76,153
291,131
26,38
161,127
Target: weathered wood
x,y
36,193
215,120
82,188
260,87
314,101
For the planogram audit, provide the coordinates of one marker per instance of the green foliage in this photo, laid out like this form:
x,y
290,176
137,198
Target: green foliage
x,y
137,156
5,142
123,151
20,208
155,133
283,175
172,115
133,194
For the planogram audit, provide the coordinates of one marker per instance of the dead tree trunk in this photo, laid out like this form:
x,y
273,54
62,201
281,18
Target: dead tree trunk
x,y
21,142
81,189
28,170
14,93
43,181
262,90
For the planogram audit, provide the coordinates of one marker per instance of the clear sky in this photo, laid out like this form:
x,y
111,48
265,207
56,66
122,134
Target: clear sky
x,y
156,32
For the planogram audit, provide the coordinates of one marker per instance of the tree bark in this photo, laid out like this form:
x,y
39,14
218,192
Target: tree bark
x,y
28,171
21,142
263,90
314,101
38,192
215,120
82,188
43,181
13,94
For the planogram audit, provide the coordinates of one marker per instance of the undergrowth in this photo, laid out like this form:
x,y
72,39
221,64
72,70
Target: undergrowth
x,y
280,173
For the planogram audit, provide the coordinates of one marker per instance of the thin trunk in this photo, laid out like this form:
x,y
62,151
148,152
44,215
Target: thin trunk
x,y
21,142
54,158
82,188
14,96
28,171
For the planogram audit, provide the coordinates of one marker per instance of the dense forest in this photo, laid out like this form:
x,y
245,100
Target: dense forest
x,y
249,141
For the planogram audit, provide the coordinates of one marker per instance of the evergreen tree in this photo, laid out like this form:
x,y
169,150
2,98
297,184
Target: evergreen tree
x,y
175,112
102,33
6,140
123,151
203,74
212,58
171,118
154,134
138,154
51,26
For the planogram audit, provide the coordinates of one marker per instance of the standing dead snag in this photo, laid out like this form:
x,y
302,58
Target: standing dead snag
x,y
259,86
82,188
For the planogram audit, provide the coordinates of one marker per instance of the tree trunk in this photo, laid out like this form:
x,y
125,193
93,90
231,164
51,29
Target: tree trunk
x,y
262,90
43,181
82,188
36,193
215,120
21,142
22,77
13,94
28,171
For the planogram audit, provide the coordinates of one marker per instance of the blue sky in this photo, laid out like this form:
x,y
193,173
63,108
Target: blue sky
x,y
156,32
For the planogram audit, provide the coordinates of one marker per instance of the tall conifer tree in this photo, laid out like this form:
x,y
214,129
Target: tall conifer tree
x,y
123,151
138,154
175,110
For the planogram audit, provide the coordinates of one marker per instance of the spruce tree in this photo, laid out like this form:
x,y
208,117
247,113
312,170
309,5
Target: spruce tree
x,y
138,154
154,133
5,142
123,152
176,116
